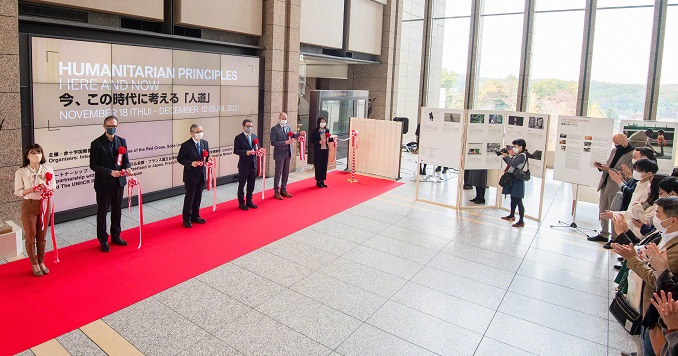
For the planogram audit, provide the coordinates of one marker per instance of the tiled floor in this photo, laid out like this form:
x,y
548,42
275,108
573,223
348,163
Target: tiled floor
x,y
389,276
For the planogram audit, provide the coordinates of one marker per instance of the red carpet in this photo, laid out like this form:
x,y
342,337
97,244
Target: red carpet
x,y
88,284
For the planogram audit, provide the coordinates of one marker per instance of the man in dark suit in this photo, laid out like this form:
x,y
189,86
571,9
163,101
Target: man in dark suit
x,y
193,159
282,137
245,147
109,181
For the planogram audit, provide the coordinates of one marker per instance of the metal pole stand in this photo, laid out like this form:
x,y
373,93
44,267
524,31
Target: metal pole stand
x,y
574,225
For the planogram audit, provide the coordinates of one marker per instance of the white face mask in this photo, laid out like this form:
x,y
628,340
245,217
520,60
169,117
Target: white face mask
x,y
283,122
516,149
322,124
198,136
637,175
35,158
658,224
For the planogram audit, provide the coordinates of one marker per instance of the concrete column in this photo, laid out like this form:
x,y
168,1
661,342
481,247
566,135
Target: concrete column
x,y
280,39
656,53
473,54
586,58
382,79
10,110
526,57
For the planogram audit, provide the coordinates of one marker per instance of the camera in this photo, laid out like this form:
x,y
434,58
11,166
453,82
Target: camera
x,y
500,152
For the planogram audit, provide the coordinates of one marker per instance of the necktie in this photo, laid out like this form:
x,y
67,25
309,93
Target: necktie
x,y
197,145
249,139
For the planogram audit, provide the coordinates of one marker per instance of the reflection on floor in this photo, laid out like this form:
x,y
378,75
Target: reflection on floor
x,y
411,278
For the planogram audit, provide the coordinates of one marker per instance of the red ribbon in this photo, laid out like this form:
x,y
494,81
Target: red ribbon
x,y
290,134
121,151
131,183
46,202
212,180
261,157
302,147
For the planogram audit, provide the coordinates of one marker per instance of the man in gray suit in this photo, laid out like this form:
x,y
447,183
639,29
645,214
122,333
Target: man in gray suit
x,y
282,138
621,154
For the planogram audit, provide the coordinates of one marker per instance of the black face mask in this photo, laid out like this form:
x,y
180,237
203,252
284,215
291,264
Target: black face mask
x,y
619,147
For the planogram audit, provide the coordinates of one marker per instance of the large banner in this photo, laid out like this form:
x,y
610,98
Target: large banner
x,y
157,94
484,139
441,133
533,129
662,139
581,142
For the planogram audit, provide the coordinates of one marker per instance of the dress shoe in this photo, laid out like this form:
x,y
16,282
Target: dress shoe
x,y
243,207
468,187
251,205
324,185
278,196
444,170
318,184
519,224
188,224
105,247
617,267
119,242
628,354
479,201
509,218
438,169
608,245
37,271
44,269
198,220
286,194
597,238
620,258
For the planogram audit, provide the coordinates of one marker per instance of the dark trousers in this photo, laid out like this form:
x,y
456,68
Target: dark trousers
x,y
480,193
109,198
192,200
320,158
282,170
517,203
246,175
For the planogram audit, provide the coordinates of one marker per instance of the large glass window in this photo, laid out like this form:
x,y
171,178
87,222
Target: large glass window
x,y
556,57
409,77
500,40
667,105
620,59
449,53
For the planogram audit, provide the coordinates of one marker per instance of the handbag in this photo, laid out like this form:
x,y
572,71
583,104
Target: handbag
x,y
617,202
626,315
521,174
506,180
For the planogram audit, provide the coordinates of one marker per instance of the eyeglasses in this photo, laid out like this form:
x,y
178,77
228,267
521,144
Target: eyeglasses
x,y
250,126
110,126
197,131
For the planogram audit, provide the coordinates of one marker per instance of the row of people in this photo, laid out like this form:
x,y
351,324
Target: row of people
x,y
110,162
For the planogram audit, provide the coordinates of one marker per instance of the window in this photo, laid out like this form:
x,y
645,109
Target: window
x,y
449,54
499,62
620,60
556,57
667,105
409,79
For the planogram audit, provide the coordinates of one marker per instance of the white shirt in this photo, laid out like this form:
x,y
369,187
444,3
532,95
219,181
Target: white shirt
x,y
26,177
666,238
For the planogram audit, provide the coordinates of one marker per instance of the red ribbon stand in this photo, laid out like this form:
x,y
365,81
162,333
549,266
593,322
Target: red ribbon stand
x,y
46,202
261,157
302,147
121,151
131,183
354,146
212,180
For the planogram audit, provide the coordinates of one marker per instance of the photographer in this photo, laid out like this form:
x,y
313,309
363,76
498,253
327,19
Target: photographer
x,y
516,159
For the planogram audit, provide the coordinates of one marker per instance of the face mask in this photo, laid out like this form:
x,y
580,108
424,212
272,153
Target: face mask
x,y
111,130
516,149
198,136
633,161
36,158
619,147
283,122
248,130
637,175
322,124
658,224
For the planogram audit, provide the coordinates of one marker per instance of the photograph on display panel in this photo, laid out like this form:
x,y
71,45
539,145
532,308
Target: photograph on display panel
x,y
76,84
659,136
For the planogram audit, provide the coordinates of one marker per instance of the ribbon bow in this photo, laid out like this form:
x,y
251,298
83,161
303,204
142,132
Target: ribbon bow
x,y
354,138
121,151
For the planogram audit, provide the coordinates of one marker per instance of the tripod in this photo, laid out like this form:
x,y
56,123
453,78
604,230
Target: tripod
x,y
574,225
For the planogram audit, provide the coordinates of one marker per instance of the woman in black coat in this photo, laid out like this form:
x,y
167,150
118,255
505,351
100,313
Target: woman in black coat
x,y
320,138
